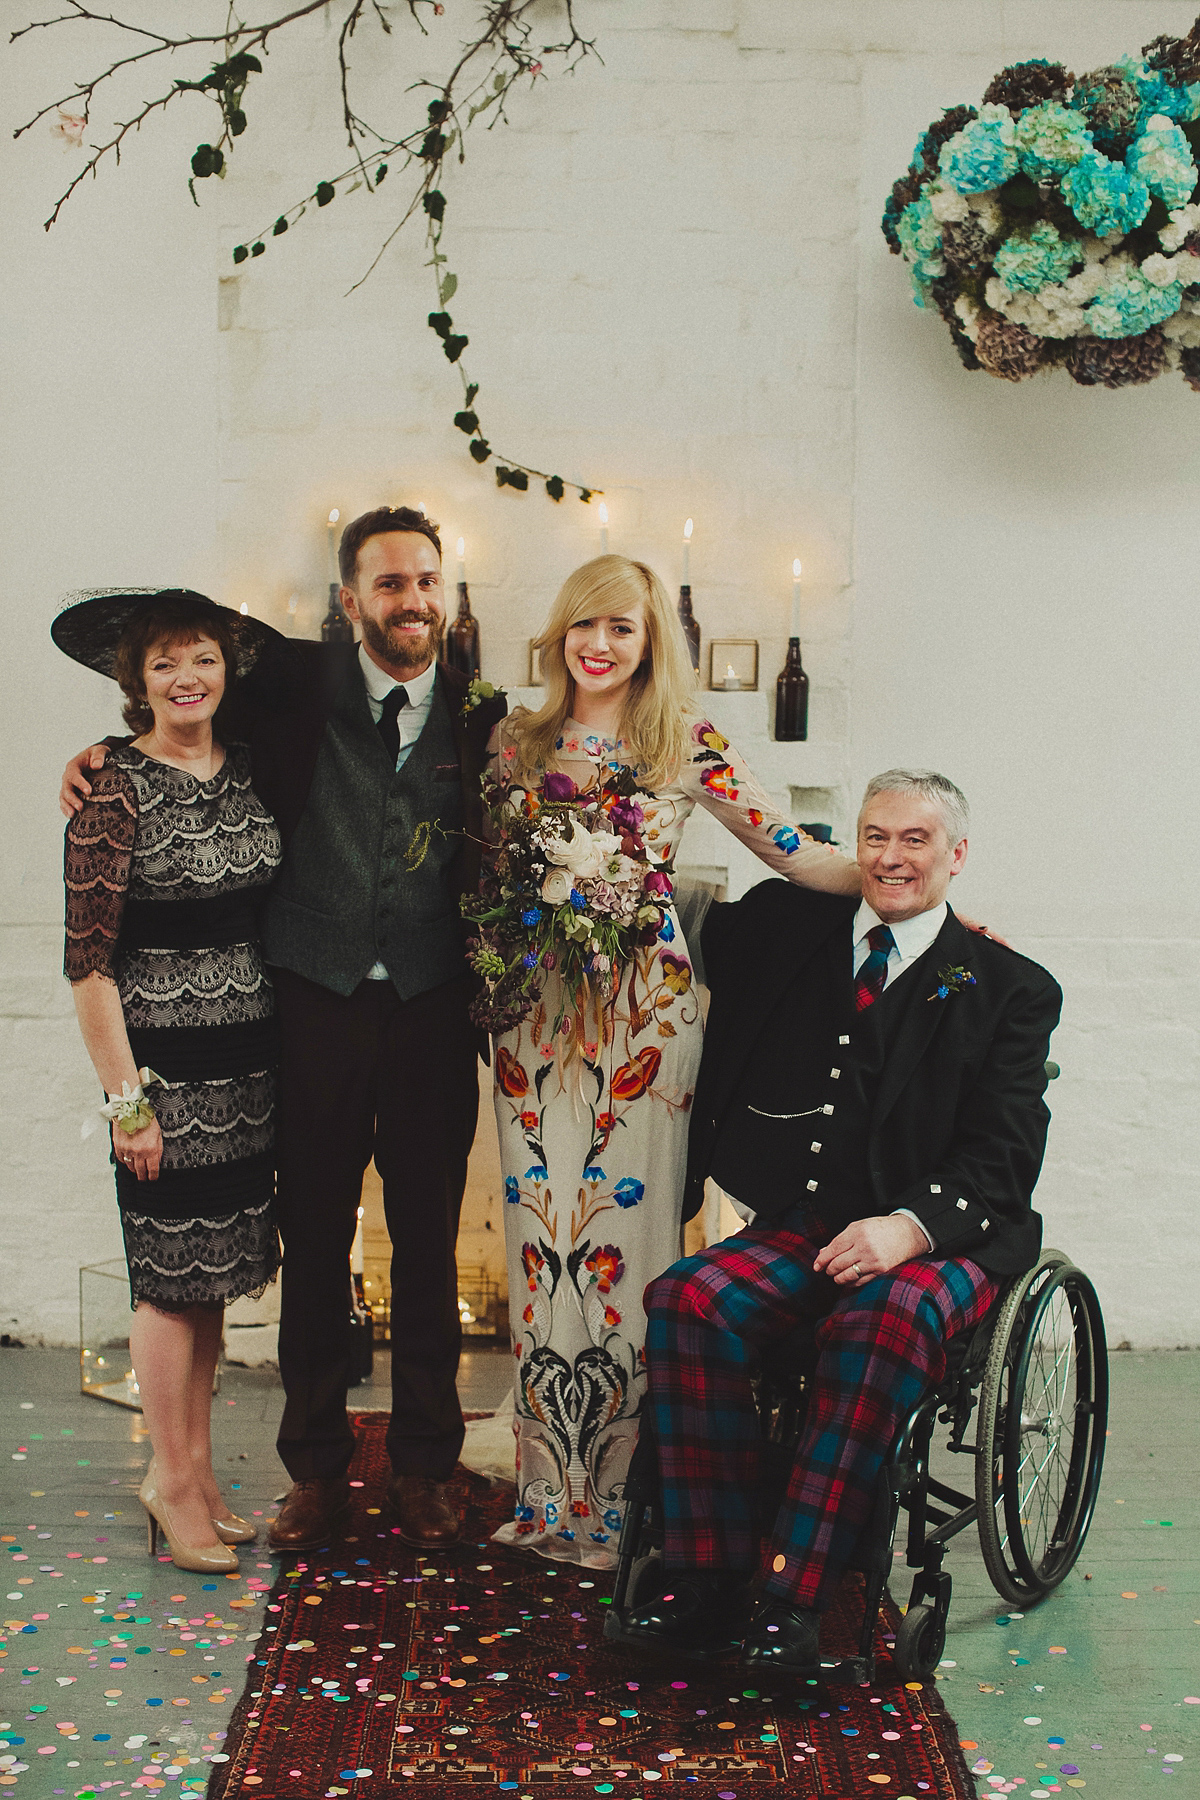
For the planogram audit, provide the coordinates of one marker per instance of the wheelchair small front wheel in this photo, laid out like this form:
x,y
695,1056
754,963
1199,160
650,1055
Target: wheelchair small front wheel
x,y
920,1640
1043,1408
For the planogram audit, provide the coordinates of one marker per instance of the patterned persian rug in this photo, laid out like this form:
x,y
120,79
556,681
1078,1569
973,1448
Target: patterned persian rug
x,y
483,1670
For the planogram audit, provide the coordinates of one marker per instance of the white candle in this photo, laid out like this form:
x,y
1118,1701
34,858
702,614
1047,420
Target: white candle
x,y
603,529
731,684
687,553
796,598
334,516
356,1248
462,564
244,608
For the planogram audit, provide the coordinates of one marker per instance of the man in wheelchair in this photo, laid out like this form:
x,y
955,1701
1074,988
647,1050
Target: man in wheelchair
x,y
870,1097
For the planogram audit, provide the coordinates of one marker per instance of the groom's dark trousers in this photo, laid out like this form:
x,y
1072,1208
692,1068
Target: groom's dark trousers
x,y
815,1116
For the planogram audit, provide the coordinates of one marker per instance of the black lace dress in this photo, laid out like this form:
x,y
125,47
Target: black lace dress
x,y
163,876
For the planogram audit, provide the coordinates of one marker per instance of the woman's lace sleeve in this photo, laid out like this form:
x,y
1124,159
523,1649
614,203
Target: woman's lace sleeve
x,y
96,863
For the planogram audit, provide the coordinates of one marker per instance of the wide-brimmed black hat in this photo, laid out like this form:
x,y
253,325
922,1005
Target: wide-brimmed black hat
x,y
92,621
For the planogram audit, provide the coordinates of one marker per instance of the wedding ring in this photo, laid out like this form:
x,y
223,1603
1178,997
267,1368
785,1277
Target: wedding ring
x,y
857,1270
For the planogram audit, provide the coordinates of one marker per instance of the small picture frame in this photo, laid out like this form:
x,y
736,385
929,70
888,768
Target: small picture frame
x,y
733,664
535,665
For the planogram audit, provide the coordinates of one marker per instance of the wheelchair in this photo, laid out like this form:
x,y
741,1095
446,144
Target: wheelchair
x,y
1033,1374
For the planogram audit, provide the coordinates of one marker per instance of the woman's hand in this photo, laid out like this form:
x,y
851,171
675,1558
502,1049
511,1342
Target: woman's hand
x,y
140,1151
982,930
76,787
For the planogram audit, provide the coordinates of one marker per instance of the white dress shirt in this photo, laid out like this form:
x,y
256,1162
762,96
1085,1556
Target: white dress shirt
x,y
410,719
912,939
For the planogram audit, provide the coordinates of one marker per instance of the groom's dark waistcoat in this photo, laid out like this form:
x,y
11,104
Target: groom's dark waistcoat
x,y
933,1105
367,877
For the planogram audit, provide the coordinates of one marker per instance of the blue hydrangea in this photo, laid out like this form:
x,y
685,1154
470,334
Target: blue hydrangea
x,y
1132,305
629,1191
1159,94
1030,259
1105,196
920,233
983,154
1162,158
1050,140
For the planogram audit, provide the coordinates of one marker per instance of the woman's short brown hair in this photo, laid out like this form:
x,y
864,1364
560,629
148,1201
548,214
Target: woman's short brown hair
x,y
182,620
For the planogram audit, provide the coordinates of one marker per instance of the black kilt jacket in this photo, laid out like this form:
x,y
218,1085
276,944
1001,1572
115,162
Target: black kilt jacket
x,y
955,1129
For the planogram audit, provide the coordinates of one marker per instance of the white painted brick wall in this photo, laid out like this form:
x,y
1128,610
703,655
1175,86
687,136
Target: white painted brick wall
x,y
674,286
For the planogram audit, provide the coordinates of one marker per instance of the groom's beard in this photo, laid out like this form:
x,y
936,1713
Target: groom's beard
x,y
404,649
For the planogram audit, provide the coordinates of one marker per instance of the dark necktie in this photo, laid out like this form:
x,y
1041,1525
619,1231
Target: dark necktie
x,y
868,983
389,722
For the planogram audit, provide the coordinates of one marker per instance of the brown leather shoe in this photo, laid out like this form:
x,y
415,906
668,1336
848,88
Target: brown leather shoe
x,y
427,1517
310,1514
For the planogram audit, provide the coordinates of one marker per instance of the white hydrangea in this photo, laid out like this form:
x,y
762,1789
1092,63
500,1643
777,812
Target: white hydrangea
x,y
968,313
1184,220
988,212
947,205
1183,328
1164,270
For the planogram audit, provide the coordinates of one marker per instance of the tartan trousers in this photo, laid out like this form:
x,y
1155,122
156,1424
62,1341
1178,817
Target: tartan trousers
x,y
879,1348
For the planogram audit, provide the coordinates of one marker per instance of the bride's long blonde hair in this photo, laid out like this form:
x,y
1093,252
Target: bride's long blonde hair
x,y
658,708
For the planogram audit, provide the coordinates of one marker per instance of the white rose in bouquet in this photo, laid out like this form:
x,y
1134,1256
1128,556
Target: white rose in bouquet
x,y
556,889
582,853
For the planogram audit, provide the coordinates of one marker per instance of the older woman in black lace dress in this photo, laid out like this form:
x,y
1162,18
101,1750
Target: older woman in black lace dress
x,y
164,865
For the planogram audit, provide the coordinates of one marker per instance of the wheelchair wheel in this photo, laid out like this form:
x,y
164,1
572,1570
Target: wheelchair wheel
x,y
1043,1406
920,1640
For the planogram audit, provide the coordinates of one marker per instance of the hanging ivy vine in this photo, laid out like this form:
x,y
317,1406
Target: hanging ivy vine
x,y
490,64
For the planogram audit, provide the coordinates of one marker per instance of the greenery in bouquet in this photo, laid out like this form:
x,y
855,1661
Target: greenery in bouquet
x,y
1059,223
568,886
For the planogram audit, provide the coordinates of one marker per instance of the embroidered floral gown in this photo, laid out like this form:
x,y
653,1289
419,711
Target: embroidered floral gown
x,y
594,1151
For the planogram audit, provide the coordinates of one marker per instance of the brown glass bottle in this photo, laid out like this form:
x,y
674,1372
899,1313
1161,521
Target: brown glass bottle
x,y
690,623
335,626
791,698
462,638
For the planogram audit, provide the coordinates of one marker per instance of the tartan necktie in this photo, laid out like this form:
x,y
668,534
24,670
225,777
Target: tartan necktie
x,y
389,721
868,983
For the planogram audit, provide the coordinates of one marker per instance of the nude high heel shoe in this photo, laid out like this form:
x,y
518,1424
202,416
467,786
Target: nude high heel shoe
x,y
209,1559
232,1530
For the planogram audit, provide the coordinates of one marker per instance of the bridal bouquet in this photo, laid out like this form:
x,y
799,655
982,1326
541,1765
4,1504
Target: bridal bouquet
x,y
567,885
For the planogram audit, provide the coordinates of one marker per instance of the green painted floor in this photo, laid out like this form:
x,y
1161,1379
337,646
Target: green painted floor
x,y
91,1702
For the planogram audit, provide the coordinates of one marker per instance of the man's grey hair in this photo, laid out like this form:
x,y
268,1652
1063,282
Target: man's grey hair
x,y
924,784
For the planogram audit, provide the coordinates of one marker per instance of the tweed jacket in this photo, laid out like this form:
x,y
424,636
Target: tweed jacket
x,y
957,1123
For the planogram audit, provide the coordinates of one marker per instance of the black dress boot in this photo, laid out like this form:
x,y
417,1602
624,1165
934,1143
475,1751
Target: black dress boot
x,y
783,1638
699,1615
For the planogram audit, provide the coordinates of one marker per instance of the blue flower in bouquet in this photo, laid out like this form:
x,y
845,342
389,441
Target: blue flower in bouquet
x,y
529,960
983,154
1162,158
629,1191
577,900
1105,196
539,1172
1132,305
512,1190
532,917
1050,139
1030,259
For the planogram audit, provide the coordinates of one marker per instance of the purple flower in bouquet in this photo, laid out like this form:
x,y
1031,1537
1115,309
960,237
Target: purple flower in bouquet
x,y
658,883
627,815
558,787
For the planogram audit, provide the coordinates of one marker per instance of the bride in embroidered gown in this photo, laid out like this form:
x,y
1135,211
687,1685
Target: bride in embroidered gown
x,y
593,1135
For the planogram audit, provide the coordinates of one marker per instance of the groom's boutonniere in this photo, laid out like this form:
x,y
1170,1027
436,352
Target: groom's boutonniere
x,y
477,692
952,979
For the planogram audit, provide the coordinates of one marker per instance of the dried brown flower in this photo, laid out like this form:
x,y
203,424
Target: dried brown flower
x,y
1117,362
1028,84
1008,350
1178,58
